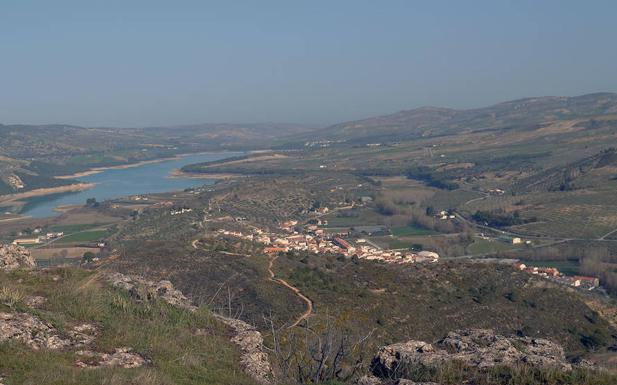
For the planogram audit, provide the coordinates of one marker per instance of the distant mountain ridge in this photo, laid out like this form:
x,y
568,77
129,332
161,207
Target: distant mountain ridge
x,y
524,113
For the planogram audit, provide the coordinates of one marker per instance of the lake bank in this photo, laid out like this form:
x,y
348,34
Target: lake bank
x,y
17,198
148,177
96,170
178,173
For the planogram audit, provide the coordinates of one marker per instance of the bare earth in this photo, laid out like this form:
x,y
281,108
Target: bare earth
x,y
177,173
16,198
97,170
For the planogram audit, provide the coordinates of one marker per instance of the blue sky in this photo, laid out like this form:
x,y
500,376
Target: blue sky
x,y
142,63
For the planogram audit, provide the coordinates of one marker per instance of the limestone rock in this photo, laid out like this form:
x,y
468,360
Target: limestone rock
x,y
31,331
253,360
82,335
476,347
38,334
368,380
144,289
14,257
122,357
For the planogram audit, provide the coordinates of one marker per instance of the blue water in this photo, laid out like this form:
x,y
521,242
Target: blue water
x,y
115,183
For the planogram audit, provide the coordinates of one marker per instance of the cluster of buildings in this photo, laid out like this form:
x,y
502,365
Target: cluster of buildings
x,y
316,241
139,198
15,182
38,239
368,251
443,214
496,191
551,273
180,211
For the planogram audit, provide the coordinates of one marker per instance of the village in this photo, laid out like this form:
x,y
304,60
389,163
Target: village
x,y
315,240
554,275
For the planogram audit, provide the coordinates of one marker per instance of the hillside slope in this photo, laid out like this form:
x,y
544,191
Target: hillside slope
x,y
70,326
422,122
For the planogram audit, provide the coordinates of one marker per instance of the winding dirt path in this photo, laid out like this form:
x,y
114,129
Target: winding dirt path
x,y
282,282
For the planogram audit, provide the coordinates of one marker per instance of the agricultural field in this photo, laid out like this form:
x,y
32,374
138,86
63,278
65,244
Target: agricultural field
x,y
85,236
405,231
481,246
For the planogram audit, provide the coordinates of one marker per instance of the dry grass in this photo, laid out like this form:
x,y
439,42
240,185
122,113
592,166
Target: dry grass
x,y
11,296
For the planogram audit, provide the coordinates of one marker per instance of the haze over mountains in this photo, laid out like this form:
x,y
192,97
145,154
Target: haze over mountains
x,y
435,121
37,153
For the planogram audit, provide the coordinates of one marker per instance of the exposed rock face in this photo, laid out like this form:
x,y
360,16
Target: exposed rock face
x,y
15,257
38,334
371,380
368,380
254,360
476,347
122,357
144,289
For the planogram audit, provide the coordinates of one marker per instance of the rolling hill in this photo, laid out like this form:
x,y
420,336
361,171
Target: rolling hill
x,y
522,114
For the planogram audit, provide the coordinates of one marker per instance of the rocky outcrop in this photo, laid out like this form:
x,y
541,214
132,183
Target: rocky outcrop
x,y
372,380
122,357
476,347
253,359
38,334
143,289
14,257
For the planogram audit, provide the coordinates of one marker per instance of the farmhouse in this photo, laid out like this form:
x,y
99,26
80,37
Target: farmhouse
x,y
586,282
26,241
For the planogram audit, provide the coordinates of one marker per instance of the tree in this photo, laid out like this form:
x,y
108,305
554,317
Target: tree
x,y
91,202
87,257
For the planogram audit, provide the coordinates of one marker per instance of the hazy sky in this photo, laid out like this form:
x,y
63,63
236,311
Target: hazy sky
x,y
139,63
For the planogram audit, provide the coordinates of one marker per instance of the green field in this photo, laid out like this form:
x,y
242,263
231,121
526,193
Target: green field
x,y
405,231
485,246
68,229
364,218
85,236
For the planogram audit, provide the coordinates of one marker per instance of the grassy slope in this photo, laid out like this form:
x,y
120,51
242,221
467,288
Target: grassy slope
x,y
162,333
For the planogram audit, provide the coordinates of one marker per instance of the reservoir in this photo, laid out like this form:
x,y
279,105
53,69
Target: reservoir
x,y
116,183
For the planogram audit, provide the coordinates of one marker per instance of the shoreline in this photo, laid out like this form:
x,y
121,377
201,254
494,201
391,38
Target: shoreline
x,y
177,173
15,219
17,198
96,170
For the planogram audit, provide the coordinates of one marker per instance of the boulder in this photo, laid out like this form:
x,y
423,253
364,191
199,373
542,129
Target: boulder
x,y
38,334
475,347
31,331
121,357
14,257
368,380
